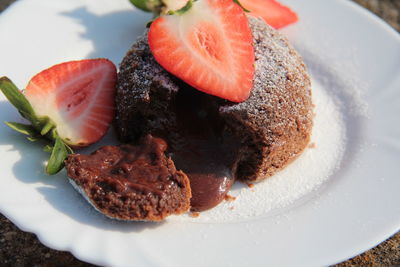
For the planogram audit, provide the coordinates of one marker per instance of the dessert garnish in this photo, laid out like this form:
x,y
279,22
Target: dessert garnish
x,y
208,45
130,182
70,105
272,12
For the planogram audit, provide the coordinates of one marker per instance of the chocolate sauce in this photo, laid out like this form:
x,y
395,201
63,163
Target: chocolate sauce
x,y
201,152
208,170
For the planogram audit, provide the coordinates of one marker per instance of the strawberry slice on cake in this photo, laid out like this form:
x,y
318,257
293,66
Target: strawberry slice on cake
x,y
208,45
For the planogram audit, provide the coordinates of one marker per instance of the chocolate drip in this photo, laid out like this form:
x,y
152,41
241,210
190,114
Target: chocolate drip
x,y
201,151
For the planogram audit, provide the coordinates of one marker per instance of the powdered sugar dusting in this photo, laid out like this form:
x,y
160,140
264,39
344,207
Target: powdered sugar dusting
x,y
341,76
279,108
300,178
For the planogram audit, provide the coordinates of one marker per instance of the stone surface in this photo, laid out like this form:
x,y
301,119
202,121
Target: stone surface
x,y
19,248
389,10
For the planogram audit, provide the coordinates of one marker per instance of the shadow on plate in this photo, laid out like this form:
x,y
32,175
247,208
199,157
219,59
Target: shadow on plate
x,y
111,34
56,189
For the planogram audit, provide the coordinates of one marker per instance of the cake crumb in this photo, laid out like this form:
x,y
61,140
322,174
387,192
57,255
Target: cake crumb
x,y
312,145
229,198
249,185
194,214
232,207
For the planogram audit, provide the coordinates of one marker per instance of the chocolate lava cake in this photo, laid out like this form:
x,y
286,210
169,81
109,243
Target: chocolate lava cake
x,y
253,139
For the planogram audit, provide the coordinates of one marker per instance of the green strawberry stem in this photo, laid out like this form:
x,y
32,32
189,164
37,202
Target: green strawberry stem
x,y
183,10
48,148
159,6
22,128
154,6
41,128
16,98
47,127
34,138
57,157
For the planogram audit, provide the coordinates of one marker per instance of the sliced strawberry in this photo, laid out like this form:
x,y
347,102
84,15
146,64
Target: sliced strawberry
x,y
271,11
78,96
209,47
70,104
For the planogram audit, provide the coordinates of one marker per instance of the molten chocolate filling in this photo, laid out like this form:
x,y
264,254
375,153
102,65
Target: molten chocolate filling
x,y
203,150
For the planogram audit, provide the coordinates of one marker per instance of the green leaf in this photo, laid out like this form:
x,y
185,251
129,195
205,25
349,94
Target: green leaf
x,y
22,128
33,138
148,5
182,10
16,98
57,157
240,4
69,149
48,148
47,127
52,135
141,4
149,23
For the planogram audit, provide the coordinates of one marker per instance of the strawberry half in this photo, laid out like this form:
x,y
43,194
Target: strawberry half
x,y
78,96
271,11
70,103
207,44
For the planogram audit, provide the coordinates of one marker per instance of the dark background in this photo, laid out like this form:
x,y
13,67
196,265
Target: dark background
x,y
18,248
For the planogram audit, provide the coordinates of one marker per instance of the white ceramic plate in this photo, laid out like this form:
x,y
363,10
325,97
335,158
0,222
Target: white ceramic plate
x,y
350,53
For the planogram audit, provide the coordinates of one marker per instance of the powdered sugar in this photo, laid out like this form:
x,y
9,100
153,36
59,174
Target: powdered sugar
x,y
341,76
300,178
276,121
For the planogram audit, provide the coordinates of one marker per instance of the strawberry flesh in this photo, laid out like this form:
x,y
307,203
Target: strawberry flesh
x,y
78,96
209,47
272,12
